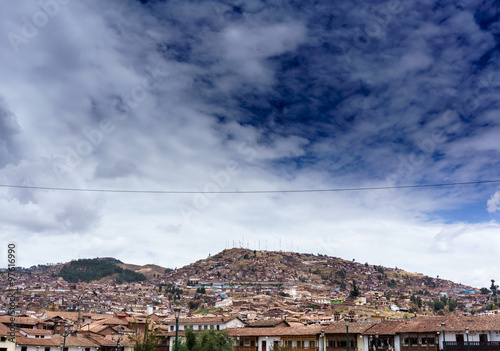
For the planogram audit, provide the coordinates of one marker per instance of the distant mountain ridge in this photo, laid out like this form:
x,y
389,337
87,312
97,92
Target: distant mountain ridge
x,y
244,266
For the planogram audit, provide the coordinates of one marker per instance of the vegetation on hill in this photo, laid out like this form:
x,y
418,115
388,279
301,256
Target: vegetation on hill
x,y
87,270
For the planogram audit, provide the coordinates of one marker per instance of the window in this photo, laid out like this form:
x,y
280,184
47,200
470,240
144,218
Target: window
x,y
3,349
413,341
87,349
460,338
3,338
430,340
300,343
47,348
423,341
24,348
483,338
406,341
312,343
343,343
247,342
172,328
330,343
252,342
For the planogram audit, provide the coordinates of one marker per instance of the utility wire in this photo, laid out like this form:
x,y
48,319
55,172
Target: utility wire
x,y
247,191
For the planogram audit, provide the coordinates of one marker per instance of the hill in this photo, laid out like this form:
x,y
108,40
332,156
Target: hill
x,y
284,268
88,270
150,271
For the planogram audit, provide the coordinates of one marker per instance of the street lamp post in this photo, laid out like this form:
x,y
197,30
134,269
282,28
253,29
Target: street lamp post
x,y
323,338
443,325
65,334
177,312
467,332
118,339
347,332
376,341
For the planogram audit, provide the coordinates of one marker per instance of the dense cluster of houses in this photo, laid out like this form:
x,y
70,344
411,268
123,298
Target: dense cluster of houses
x,y
77,331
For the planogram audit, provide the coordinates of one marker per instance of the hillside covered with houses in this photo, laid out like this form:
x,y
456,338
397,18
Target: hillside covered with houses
x,y
261,298
253,284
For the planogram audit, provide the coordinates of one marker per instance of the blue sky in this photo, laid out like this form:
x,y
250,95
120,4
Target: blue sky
x,y
211,96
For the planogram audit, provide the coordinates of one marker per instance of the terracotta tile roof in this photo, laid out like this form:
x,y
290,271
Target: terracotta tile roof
x,y
105,341
340,327
4,330
267,323
75,341
422,324
65,315
36,331
474,323
278,331
384,328
21,320
197,320
112,321
24,341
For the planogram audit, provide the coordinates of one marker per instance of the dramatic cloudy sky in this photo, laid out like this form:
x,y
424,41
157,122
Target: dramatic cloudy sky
x,y
233,95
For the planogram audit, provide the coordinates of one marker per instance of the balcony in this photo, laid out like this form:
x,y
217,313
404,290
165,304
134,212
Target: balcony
x,y
473,345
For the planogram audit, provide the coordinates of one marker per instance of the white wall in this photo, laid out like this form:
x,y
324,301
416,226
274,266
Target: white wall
x,y
11,346
269,342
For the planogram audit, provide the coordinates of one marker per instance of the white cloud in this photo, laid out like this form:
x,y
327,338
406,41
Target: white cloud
x,y
267,88
494,202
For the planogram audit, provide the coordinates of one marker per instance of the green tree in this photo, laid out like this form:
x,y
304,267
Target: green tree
x,y
437,305
355,290
207,340
146,341
485,291
452,305
494,290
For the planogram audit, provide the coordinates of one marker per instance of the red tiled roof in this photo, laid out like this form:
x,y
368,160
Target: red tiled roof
x,y
4,330
430,324
384,328
20,320
104,341
24,341
36,331
75,341
340,327
278,331
197,320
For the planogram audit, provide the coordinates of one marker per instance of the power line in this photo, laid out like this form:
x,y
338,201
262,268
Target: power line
x,y
247,191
